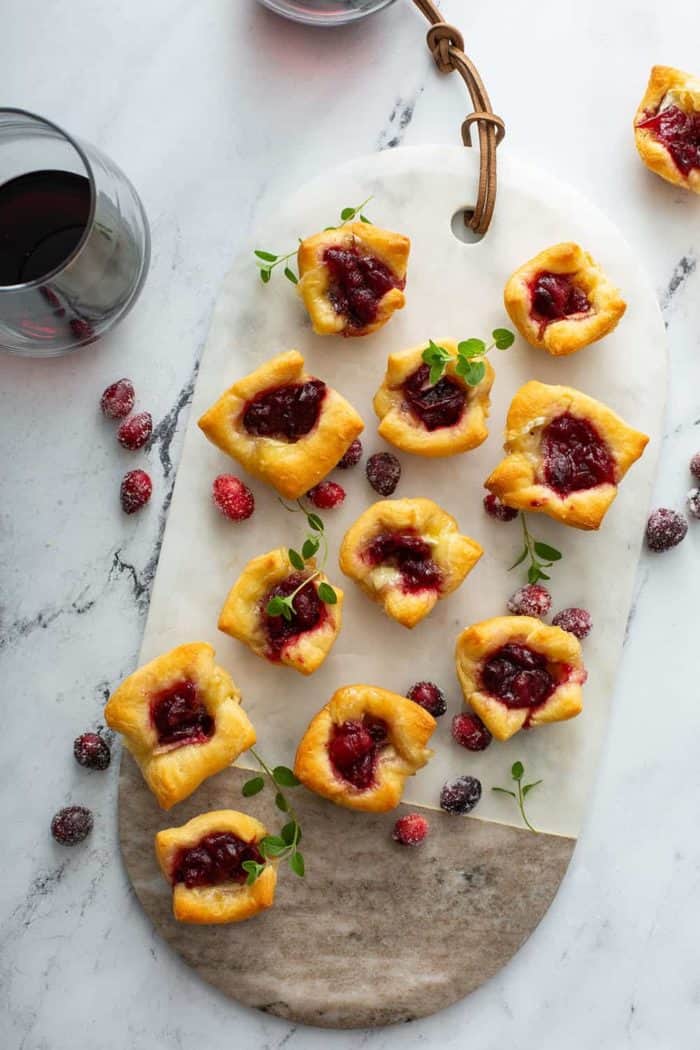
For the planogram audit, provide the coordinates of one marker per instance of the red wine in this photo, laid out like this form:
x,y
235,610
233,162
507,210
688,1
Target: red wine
x,y
43,215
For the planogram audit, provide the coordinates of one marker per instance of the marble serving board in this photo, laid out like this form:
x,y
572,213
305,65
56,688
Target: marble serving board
x,y
356,969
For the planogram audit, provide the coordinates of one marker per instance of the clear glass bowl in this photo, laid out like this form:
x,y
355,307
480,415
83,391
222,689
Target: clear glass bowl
x,y
325,12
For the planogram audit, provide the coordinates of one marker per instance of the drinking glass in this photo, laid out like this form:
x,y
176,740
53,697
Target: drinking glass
x,y
325,12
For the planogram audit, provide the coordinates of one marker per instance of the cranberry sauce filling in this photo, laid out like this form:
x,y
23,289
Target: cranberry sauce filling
x,y
286,411
575,456
679,132
518,676
308,612
216,858
410,554
354,749
357,284
180,717
441,405
554,296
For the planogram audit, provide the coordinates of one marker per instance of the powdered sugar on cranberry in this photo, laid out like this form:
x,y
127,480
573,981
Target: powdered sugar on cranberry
x,y
531,600
692,502
497,509
135,432
135,491
576,621
695,466
665,529
326,495
234,499
469,731
383,472
118,399
352,457
410,830
429,696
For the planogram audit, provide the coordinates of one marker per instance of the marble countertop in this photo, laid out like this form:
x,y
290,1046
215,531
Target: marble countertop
x,y
195,102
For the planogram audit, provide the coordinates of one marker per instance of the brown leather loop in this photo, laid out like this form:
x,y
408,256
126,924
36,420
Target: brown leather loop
x,y
488,118
441,39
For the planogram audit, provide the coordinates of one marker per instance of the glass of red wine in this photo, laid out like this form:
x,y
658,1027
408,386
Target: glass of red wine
x,y
74,239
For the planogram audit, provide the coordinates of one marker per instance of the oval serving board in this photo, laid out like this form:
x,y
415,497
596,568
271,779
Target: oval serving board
x,y
377,922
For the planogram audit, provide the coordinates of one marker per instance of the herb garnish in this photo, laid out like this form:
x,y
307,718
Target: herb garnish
x,y
470,356
284,845
535,550
315,538
517,771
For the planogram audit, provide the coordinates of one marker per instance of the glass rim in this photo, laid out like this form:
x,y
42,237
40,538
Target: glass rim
x,y
38,281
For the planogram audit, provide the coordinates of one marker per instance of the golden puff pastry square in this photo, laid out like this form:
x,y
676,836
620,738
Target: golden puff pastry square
x,y
352,278
516,673
406,555
561,300
181,718
432,420
284,426
359,748
302,642
566,454
667,126
202,860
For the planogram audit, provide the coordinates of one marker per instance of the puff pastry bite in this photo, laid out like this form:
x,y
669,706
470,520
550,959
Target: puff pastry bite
x,y
181,717
302,642
283,425
359,748
561,300
667,126
352,278
517,673
438,420
566,453
407,554
202,860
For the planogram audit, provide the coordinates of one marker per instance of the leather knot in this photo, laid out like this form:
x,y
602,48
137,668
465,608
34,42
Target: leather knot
x,y
488,118
441,38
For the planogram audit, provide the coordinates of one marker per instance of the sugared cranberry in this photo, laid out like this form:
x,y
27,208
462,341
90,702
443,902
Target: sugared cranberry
x,y
357,283
234,499
288,412
469,731
460,795
680,134
518,676
532,600
665,529
497,509
81,328
441,405
91,751
410,554
354,749
326,495
179,716
429,696
575,456
576,621
383,472
135,491
308,612
71,825
118,399
554,296
135,432
352,457
692,502
216,858
695,466
410,830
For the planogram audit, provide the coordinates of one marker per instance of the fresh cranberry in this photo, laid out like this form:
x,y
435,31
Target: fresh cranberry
x,y
357,283
469,731
383,472
410,830
518,676
575,456
118,399
410,554
429,696
234,499
460,795
497,508
532,600
352,456
308,612
692,502
679,132
179,716
71,825
441,405
135,491
665,529
288,412
91,751
554,296
216,858
354,749
135,432
695,466
576,621
326,495
81,328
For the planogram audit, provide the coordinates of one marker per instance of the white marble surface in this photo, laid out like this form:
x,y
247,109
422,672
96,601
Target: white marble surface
x,y
176,93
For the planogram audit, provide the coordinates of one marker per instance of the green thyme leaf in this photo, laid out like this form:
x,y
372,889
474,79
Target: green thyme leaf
x,y
327,594
543,550
285,777
503,338
436,371
527,788
315,522
252,786
275,606
347,213
520,560
296,863
254,870
291,831
290,275
296,559
471,348
267,256
281,802
265,275
310,547
363,218
517,770
504,791
474,372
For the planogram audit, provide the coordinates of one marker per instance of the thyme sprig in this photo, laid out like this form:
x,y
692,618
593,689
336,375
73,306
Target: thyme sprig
x,y
517,772
285,845
315,540
470,356
542,555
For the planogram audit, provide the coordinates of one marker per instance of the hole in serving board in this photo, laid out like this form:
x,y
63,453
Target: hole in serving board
x,y
460,229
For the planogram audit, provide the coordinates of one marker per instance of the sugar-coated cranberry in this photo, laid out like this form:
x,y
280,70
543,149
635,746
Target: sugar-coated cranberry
x,y
288,411
326,495
438,405
135,432
352,456
692,502
469,731
429,696
410,830
383,472
665,529
234,499
575,457
497,508
91,751
576,621
71,825
118,399
531,600
135,491
460,795
695,466
518,676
